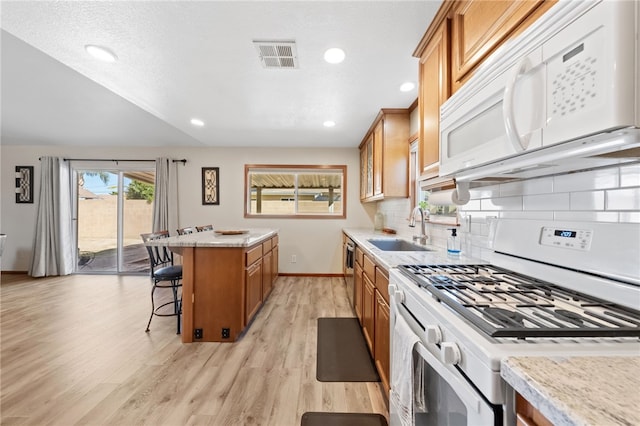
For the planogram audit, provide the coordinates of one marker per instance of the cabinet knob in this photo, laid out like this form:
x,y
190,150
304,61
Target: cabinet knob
x,y
433,334
450,353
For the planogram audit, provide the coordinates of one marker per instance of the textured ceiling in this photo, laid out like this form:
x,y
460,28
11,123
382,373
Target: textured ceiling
x,y
184,59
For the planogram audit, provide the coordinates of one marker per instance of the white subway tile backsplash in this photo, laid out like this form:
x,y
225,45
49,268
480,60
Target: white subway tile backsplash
x,y
587,216
529,214
630,217
471,205
585,181
546,202
607,195
527,187
485,192
623,199
501,203
588,200
630,175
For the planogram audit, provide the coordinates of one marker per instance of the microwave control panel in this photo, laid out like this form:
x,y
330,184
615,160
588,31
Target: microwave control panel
x,y
576,239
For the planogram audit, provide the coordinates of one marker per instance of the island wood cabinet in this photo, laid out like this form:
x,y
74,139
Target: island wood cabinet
x,y
224,287
461,36
384,157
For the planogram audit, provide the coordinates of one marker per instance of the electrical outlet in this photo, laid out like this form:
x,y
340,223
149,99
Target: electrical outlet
x,y
226,333
197,333
293,258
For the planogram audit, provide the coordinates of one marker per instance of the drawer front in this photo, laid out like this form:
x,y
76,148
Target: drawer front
x,y
359,256
253,254
369,268
266,246
382,283
274,241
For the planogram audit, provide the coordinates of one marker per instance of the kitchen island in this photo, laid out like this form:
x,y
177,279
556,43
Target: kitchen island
x,y
226,277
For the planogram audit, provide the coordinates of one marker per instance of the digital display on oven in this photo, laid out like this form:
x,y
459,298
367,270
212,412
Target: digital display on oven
x,y
565,234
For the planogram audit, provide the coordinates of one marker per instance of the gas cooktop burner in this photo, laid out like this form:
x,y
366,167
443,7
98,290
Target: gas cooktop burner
x,y
504,316
503,303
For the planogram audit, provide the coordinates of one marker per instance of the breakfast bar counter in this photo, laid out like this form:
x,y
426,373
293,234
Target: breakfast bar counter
x,y
226,276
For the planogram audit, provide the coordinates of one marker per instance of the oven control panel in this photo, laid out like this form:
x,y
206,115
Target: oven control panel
x,y
577,239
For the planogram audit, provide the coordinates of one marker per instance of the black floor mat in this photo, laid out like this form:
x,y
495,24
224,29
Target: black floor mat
x,y
342,419
343,355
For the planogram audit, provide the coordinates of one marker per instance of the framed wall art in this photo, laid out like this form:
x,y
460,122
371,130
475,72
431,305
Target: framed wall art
x,y
210,186
24,184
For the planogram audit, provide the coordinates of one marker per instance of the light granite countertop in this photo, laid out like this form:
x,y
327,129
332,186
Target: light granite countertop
x,y
579,391
390,259
214,239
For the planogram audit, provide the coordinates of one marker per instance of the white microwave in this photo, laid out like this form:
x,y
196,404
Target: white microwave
x,y
562,96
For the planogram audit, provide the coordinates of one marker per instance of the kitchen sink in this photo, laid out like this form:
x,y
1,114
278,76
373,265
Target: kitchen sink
x,y
397,245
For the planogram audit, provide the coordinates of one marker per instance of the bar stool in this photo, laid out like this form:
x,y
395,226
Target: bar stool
x,y
204,228
187,230
164,274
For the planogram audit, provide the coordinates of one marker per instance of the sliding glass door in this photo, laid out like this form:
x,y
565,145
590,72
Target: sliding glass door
x,y
113,207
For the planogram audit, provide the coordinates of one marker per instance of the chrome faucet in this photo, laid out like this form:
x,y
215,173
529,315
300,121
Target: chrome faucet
x,y
412,223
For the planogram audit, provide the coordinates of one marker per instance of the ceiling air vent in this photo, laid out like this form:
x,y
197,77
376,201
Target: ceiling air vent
x,y
277,54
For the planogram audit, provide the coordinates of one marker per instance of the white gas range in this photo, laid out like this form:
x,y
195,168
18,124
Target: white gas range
x,y
550,289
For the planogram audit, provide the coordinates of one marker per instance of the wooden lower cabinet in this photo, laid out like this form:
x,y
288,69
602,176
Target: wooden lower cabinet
x,y
368,311
267,274
224,287
274,262
528,415
253,296
382,340
358,288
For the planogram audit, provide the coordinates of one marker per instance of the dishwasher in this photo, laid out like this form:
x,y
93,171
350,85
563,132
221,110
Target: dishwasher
x,y
349,256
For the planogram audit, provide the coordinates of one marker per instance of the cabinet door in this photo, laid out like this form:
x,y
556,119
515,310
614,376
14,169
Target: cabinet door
x,y
434,90
363,172
382,340
479,27
369,168
274,264
368,311
357,284
267,277
378,150
253,291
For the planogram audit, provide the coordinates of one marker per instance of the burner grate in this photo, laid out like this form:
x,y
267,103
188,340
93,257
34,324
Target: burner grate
x,y
503,303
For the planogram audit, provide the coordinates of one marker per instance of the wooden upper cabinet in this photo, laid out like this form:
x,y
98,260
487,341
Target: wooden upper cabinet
x,y
363,173
377,158
384,157
479,27
433,91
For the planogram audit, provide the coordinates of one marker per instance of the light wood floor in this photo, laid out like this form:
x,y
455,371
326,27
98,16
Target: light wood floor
x,y
74,351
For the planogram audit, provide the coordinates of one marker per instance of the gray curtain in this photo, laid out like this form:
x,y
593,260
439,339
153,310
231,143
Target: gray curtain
x,y
165,198
53,241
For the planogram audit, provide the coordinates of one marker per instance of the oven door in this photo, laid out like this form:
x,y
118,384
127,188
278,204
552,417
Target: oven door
x,y
449,398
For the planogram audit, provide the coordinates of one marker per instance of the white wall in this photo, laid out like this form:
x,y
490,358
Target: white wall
x,y
316,243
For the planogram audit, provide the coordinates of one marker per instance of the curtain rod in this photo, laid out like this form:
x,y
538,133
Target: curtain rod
x,y
183,161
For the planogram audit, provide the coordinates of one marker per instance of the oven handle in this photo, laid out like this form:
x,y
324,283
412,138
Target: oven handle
x,y
461,387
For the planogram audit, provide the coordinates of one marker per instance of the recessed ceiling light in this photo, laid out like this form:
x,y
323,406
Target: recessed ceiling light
x,y
407,87
197,122
101,53
334,55
329,123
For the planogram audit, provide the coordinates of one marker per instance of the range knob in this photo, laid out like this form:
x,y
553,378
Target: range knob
x,y
392,288
398,296
433,334
450,353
